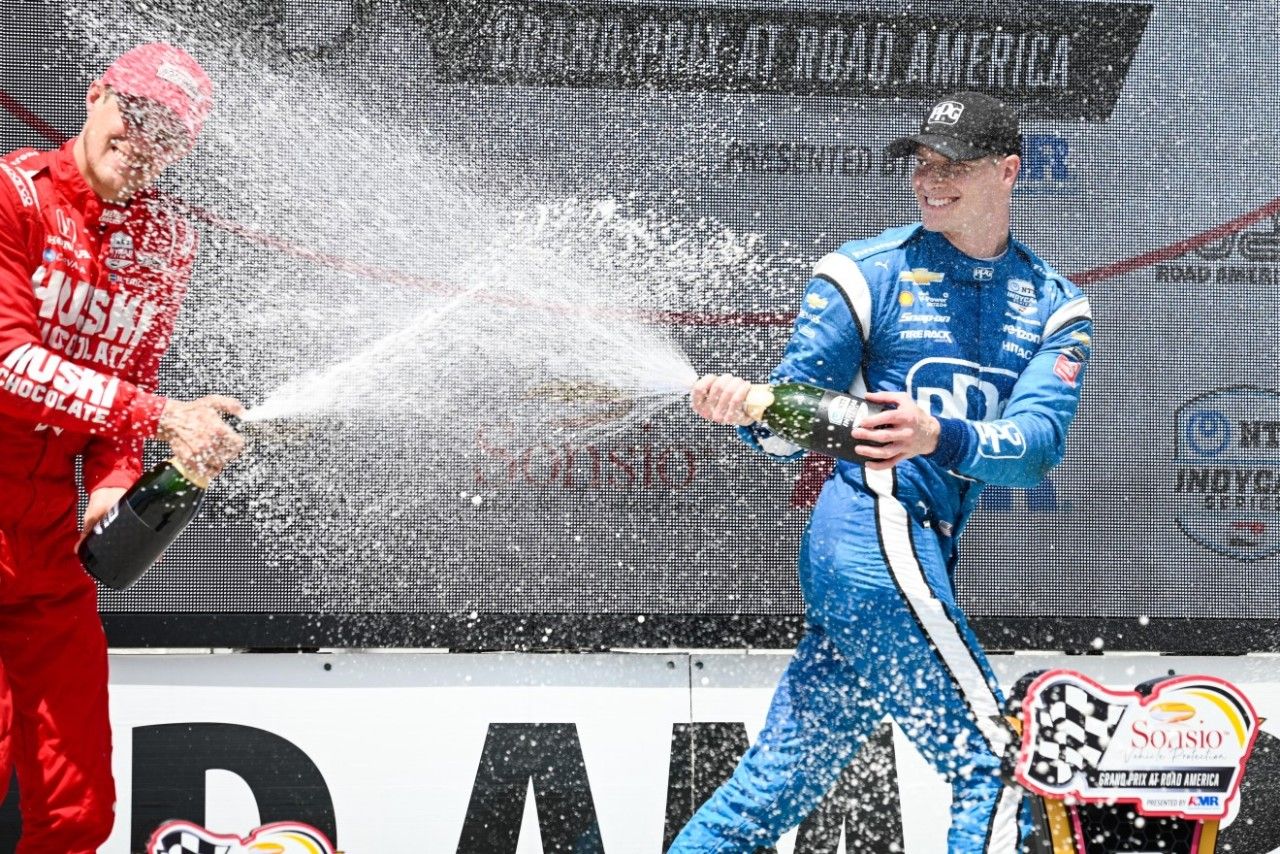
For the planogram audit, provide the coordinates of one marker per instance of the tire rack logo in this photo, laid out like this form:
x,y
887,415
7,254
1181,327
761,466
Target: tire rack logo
x,y
1227,471
1178,750
183,837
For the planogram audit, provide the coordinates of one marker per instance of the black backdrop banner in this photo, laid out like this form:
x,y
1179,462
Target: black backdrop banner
x,y
400,200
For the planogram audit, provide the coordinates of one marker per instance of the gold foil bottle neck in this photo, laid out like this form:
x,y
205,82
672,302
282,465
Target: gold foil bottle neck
x,y
759,398
195,479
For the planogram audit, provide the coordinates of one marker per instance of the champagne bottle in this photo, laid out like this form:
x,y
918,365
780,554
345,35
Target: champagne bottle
x,y
811,417
134,533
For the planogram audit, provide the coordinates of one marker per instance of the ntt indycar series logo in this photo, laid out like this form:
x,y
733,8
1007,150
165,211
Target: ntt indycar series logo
x,y
1227,471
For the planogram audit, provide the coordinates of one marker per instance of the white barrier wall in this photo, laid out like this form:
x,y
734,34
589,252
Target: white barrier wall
x,y
526,752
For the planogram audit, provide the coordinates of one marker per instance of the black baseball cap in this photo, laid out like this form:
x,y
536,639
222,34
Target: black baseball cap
x,y
964,126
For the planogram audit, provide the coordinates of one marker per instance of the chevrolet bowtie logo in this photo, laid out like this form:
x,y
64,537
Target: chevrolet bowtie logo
x,y
920,276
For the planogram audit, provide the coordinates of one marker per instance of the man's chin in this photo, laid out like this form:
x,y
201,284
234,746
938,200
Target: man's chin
x,y
122,187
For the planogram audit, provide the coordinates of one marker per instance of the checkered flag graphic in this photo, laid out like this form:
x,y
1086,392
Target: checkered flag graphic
x,y
1073,729
186,842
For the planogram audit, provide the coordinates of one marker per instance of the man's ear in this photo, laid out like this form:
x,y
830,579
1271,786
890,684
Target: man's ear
x,y
97,92
1011,166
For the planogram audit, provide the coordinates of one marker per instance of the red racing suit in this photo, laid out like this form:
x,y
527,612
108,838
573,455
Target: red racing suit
x,y
88,296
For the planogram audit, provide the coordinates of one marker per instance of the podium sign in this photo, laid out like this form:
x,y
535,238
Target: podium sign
x,y
1175,748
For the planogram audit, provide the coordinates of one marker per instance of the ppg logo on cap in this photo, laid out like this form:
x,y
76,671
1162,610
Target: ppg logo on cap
x,y
946,113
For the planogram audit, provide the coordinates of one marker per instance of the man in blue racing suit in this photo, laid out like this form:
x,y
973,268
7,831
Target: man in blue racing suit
x,y
978,347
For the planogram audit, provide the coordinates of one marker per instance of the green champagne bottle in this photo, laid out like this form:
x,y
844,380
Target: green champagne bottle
x,y
134,533
813,418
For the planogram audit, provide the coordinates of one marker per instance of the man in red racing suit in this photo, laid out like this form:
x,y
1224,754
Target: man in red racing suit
x,y
93,267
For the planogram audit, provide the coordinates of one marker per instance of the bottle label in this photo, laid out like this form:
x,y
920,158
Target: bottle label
x,y
845,411
107,519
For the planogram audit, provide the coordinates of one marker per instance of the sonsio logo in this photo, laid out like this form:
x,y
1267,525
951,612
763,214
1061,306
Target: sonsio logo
x,y
1172,713
609,464
1227,471
1167,735
1187,736
183,837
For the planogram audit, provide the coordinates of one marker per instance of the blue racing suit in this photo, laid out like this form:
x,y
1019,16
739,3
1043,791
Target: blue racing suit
x,y
996,351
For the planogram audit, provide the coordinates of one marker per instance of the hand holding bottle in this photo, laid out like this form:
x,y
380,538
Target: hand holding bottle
x,y
900,431
101,501
202,442
720,399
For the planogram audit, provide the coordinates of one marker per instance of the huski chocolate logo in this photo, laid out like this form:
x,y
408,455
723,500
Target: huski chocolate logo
x,y
1227,471
1057,59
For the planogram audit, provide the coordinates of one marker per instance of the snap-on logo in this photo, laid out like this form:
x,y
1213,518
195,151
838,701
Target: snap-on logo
x,y
946,113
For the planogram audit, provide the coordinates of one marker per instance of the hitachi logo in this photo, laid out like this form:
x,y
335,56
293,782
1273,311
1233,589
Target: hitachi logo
x,y
92,311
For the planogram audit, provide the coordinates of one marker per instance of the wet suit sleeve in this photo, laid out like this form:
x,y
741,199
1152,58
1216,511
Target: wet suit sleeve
x,y
117,461
1030,437
825,350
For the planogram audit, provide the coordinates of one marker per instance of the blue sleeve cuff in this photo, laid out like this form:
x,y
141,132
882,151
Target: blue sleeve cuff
x,y
954,442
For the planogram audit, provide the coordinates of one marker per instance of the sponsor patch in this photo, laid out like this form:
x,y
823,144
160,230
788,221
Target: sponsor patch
x,y
120,254
1067,370
1021,293
916,317
1000,440
920,276
21,183
181,78
943,335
